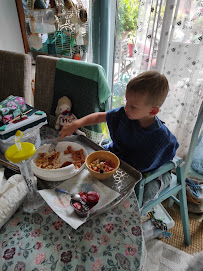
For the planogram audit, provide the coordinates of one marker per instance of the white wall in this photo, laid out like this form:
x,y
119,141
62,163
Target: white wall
x,y
10,33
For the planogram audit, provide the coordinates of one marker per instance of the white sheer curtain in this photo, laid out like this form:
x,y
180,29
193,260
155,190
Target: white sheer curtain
x,y
169,39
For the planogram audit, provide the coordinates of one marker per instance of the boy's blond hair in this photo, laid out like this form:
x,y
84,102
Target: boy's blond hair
x,y
152,83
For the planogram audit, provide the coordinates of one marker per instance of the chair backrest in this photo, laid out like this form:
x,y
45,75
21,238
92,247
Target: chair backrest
x,y
194,140
15,75
82,82
44,83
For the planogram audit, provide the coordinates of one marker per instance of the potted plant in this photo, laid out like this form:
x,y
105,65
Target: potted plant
x,y
131,36
126,25
127,17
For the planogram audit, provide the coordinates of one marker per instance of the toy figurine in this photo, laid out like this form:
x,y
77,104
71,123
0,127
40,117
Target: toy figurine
x,y
64,114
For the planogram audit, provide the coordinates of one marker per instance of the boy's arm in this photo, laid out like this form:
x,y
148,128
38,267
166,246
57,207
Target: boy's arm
x,y
94,118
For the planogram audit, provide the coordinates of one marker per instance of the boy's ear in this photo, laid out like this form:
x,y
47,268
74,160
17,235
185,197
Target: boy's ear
x,y
155,110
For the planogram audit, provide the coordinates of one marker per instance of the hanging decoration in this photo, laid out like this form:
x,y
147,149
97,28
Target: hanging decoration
x,y
58,27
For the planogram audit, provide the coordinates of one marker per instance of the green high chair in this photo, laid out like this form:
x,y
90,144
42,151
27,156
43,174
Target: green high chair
x,y
177,185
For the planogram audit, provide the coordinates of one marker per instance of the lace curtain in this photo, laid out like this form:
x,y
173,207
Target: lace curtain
x,y
169,39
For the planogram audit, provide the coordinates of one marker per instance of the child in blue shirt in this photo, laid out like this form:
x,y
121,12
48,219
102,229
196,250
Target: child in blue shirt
x,y
138,136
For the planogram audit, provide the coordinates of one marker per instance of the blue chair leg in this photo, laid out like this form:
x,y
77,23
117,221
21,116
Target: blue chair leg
x,y
139,191
171,201
183,205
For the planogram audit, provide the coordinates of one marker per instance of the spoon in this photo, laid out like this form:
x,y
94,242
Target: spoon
x,y
53,145
74,196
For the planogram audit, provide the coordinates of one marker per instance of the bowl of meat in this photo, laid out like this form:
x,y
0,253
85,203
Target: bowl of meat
x,y
67,160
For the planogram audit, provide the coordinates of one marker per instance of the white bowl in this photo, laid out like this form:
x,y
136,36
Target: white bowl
x,y
59,174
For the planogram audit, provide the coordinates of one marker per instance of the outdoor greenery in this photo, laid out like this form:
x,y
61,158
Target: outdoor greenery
x,y
127,16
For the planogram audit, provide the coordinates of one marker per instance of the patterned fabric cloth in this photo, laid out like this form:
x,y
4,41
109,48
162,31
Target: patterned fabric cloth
x,y
11,107
43,241
144,149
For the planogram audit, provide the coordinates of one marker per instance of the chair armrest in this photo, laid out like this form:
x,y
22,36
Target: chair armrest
x,y
163,169
139,188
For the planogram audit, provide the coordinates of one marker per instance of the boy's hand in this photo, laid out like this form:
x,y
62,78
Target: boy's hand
x,y
91,119
67,130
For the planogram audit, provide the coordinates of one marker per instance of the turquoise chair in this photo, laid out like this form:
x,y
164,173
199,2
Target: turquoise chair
x,y
177,184
189,171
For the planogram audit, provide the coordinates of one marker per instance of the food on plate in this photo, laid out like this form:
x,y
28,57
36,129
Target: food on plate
x,y
88,200
51,160
77,156
48,160
102,165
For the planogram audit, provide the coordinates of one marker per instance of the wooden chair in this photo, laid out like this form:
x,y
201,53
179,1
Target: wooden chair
x,y
15,75
83,92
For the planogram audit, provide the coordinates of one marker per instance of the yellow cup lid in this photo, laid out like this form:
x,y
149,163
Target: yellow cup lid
x,y
16,156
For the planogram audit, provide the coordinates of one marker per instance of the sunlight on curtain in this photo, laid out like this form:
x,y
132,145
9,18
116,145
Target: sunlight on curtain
x,y
169,39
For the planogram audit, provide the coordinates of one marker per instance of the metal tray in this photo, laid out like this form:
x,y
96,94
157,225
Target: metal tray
x,y
123,181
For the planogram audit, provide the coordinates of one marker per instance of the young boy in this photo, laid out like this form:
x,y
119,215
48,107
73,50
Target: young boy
x,y
138,136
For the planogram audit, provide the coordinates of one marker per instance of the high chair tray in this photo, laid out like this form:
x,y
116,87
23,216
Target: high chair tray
x,y
123,181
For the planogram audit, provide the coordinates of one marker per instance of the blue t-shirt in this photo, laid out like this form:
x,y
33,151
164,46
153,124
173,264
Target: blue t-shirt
x,y
143,148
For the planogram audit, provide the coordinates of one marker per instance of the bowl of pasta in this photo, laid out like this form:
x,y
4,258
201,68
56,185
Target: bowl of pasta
x,y
102,164
67,160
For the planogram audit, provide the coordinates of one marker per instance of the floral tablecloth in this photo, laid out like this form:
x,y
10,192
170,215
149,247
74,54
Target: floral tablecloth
x,y
42,241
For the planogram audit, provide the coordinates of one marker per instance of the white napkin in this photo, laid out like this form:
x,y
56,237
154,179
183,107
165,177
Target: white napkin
x,y
12,194
60,203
